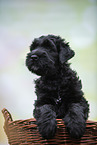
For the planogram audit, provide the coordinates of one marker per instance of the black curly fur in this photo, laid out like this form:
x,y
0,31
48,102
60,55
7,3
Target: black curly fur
x,y
59,90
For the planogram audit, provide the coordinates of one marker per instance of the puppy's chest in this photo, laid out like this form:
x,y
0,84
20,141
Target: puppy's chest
x,y
58,100
50,87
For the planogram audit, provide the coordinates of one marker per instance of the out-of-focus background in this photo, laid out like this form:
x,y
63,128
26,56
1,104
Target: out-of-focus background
x,y
23,20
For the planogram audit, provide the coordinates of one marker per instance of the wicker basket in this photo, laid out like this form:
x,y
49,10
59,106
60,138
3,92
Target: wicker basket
x,y
25,132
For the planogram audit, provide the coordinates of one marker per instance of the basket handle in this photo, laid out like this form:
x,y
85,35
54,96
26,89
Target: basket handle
x,y
7,115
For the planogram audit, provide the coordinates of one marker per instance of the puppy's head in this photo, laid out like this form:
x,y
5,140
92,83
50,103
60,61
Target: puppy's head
x,y
47,53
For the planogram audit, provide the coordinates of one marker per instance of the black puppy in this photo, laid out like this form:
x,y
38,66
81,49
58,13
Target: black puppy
x,y
58,90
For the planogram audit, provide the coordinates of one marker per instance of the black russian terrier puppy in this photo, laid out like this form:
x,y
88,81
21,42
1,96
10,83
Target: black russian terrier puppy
x,y
59,90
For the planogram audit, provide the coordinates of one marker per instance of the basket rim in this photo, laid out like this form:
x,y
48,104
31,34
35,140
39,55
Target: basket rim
x,y
9,120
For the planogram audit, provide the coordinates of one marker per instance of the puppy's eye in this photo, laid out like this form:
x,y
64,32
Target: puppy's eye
x,y
44,53
51,49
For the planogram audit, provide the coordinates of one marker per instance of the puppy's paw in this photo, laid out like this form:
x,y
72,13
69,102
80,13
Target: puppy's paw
x,y
47,128
75,121
46,121
75,130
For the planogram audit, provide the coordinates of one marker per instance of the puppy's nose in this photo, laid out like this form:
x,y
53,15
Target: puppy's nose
x,y
34,57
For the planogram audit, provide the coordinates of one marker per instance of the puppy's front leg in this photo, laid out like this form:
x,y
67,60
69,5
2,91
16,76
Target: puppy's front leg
x,y
75,120
46,120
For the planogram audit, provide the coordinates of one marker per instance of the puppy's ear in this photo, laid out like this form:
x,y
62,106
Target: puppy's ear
x,y
65,53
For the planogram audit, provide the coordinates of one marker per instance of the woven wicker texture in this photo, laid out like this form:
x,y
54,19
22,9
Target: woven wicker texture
x,y
25,132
